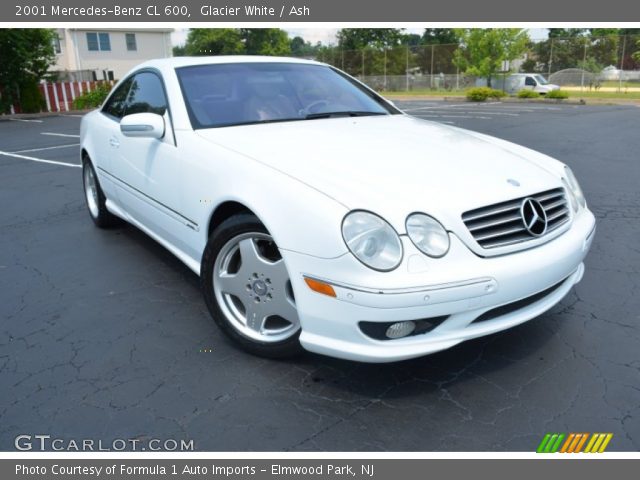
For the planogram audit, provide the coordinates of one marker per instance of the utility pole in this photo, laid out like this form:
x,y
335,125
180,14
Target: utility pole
x,y
550,58
621,72
406,73
431,70
584,64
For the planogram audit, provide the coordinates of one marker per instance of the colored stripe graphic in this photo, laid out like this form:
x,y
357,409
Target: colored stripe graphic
x,y
550,443
598,443
543,443
574,443
566,445
581,442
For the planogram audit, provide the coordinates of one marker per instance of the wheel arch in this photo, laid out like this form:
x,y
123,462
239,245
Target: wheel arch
x,y
226,210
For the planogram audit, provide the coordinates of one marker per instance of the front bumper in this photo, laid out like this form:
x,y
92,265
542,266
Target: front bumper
x,y
460,285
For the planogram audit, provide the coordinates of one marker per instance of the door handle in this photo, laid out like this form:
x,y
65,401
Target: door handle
x,y
114,142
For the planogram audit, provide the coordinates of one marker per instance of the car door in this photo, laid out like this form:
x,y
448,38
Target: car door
x,y
148,169
103,135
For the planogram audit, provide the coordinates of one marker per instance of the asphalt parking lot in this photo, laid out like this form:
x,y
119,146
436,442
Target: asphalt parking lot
x,y
104,334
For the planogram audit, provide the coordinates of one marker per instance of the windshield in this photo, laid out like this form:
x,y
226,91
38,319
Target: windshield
x,y
241,93
541,80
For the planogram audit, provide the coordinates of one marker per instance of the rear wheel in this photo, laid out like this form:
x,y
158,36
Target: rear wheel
x,y
94,196
247,288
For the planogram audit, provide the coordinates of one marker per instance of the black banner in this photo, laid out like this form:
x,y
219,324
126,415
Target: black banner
x,y
34,11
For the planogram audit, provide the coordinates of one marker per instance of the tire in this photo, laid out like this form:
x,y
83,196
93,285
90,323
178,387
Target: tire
x,y
94,197
247,289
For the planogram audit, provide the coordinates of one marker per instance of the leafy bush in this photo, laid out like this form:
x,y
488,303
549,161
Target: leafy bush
x,y
528,94
92,99
557,94
480,94
31,99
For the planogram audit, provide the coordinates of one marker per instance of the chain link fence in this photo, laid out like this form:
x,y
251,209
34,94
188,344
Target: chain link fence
x,y
609,63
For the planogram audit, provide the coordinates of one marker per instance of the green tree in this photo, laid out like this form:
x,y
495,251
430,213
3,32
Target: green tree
x,y
265,41
179,51
411,39
26,57
301,48
234,41
214,41
636,55
482,51
298,46
569,48
375,38
439,36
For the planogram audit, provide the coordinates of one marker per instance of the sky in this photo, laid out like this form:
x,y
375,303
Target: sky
x,y
328,35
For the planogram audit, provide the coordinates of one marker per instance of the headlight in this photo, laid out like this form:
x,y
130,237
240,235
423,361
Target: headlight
x,y
428,235
372,240
572,182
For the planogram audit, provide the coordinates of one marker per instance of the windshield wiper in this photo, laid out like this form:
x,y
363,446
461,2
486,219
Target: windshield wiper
x,y
344,113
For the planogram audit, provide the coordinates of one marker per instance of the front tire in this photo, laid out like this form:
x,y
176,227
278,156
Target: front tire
x,y
247,288
95,198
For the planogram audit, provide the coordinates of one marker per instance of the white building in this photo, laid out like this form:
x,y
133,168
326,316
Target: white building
x,y
107,53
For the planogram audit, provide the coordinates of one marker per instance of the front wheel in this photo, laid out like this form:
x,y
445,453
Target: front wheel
x,y
94,196
247,288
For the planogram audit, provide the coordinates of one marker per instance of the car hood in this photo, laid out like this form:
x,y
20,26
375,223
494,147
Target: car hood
x,y
394,165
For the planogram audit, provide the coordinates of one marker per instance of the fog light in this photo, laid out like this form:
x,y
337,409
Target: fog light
x,y
400,329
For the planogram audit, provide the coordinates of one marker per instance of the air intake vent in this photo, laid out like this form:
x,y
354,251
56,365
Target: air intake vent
x,y
503,224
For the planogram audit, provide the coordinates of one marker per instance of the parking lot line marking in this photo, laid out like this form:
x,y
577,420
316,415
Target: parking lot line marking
x,y
25,120
476,117
47,148
40,160
440,107
474,112
60,134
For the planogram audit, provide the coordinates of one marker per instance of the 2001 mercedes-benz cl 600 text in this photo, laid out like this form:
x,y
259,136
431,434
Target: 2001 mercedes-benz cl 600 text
x,y
320,216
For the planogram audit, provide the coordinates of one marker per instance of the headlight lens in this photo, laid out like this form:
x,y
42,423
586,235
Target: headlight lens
x,y
428,235
574,186
372,240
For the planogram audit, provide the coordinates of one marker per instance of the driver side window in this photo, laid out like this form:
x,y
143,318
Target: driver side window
x,y
115,106
146,95
530,82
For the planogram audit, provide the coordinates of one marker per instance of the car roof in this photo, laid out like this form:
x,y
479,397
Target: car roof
x,y
176,62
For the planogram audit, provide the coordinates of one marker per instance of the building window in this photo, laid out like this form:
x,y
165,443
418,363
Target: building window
x,y
98,42
57,49
131,42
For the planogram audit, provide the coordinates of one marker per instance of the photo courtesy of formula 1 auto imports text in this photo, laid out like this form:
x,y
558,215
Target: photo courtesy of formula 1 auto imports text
x,y
279,240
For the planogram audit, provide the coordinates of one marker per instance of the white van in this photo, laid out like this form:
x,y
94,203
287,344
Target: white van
x,y
529,81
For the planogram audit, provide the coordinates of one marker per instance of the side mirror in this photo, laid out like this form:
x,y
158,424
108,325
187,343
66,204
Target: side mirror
x,y
144,125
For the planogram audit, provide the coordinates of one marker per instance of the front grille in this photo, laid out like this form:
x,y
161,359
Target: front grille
x,y
501,224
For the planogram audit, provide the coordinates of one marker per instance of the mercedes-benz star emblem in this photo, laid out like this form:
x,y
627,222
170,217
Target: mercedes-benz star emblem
x,y
533,217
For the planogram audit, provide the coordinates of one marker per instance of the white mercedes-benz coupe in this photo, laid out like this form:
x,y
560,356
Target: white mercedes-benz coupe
x,y
320,216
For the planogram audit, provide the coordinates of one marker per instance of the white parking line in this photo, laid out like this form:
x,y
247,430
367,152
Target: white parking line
x,y
441,107
25,120
473,111
60,134
47,148
476,117
40,160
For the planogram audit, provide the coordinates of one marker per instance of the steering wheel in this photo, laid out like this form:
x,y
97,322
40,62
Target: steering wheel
x,y
310,108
